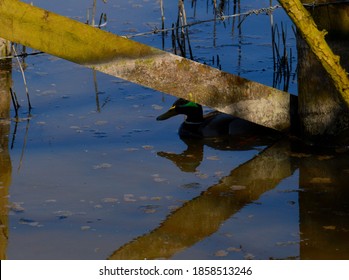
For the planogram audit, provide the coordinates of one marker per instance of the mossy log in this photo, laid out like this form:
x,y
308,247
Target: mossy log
x,y
144,65
323,110
317,43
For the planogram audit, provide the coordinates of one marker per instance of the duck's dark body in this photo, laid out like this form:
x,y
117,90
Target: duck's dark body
x,y
214,124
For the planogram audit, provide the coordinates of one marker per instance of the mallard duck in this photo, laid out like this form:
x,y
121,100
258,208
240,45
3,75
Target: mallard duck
x,y
196,125
213,124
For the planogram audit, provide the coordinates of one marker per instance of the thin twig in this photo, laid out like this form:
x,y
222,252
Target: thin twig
x,y
184,23
102,18
272,34
24,79
14,102
98,108
93,12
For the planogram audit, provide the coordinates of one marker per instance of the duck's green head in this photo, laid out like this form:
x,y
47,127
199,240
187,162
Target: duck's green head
x,y
192,110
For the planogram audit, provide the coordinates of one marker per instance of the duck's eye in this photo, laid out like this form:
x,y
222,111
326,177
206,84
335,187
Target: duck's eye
x,y
190,104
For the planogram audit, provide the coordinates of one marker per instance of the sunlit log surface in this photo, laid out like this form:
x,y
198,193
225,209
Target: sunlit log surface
x,y
144,65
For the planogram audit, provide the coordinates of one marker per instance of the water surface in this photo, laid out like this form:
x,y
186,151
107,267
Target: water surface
x,y
91,174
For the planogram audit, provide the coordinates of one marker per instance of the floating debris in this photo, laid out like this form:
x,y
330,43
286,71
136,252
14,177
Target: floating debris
x,y
219,173
137,6
201,175
234,249
213,158
131,149
50,200
47,92
42,73
29,222
150,209
100,134
63,214
158,179
148,147
16,207
102,166
329,227
287,243
157,107
221,253
320,180
101,122
74,127
139,130
110,200
249,256
85,228
193,185
228,235
325,157
129,198
173,207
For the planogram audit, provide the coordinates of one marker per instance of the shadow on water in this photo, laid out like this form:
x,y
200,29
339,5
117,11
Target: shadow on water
x,y
246,137
202,216
323,203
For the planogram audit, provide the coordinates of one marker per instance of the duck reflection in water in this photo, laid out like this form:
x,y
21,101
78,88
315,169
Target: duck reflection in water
x,y
214,129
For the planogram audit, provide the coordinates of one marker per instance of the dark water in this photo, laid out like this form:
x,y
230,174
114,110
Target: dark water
x,y
91,174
